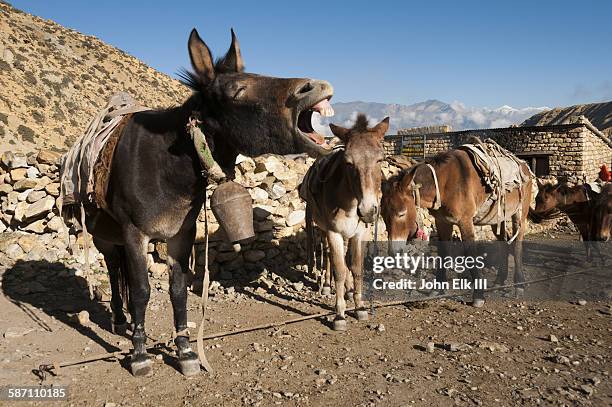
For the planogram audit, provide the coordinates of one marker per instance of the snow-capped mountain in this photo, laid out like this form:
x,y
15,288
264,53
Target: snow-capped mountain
x,y
428,113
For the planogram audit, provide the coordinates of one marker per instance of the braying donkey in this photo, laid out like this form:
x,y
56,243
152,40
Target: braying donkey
x,y
156,187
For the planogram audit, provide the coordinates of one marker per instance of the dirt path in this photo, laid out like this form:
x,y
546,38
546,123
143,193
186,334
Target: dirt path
x,y
504,355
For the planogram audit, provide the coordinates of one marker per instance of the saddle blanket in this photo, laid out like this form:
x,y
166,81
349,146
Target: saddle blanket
x,y
77,175
318,174
501,172
499,168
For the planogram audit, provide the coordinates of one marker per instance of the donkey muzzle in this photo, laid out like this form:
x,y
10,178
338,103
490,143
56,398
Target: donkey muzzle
x,y
369,215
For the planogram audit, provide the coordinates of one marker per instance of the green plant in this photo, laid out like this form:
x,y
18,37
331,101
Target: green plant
x,y
26,133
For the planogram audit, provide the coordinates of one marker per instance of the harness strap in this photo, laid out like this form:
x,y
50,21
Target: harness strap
x,y
436,202
204,297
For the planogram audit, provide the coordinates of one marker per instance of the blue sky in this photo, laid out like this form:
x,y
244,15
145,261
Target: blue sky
x,y
482,53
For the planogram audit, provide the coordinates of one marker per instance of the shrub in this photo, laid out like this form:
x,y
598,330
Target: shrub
x,y
26,133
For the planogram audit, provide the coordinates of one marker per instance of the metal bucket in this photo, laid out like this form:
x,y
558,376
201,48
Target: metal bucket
x,y
232,206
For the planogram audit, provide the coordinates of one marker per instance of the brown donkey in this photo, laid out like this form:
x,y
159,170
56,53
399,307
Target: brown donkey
x,y
577,202
461,200
342,192
601,220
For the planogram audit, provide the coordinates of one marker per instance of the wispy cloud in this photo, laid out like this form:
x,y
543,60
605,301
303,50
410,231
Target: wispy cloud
x,y
595,93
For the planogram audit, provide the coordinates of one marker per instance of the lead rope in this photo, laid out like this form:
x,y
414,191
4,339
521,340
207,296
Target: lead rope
x,y
86,253
204,297
371,289
436,203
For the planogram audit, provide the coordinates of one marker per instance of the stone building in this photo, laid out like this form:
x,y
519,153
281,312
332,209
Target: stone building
x,y
575,150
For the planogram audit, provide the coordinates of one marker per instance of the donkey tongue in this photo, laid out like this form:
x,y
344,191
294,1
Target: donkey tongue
x,y
316,137
324,108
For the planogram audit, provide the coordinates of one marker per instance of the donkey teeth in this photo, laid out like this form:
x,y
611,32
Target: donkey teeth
x,y
327,112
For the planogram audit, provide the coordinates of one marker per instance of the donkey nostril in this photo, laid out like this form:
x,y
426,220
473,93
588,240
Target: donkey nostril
x,y
306,88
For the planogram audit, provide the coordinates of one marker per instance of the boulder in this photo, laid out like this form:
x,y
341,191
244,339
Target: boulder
x,y
18,174
36,227
20,212
55,224
14,160
53,189
32,172
296,217
23,184
34,196
259,195
40,208
269,164
48,157
5,189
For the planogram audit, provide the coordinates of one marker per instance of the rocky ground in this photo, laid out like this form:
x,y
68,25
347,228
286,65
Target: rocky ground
x,y
434,353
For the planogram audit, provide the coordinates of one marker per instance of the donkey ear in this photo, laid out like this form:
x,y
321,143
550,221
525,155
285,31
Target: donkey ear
x,y
382,127
201,59
405,184
339,132
232,61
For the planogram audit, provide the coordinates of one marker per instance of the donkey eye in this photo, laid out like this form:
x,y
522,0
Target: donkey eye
x,y
401,214
240,92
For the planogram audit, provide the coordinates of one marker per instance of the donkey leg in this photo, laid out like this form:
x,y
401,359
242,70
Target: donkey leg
x,y
326,290
336,245
584,234
502,274
349,285
445,234
140,291
179,249
357,270
519,277
468,237
112,258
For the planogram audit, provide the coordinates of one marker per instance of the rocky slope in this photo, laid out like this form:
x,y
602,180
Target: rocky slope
x,y
53,80
599,114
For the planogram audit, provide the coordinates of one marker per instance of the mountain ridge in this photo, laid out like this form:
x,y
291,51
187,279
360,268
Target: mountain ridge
x,y
431,112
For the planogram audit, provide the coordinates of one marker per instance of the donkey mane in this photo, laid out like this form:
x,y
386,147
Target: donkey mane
x,y
361,124
439,158
192,80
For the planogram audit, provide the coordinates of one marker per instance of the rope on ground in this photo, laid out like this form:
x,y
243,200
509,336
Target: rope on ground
x,y
55,367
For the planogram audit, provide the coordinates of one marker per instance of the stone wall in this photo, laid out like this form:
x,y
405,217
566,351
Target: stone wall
x,y
575,151
32,230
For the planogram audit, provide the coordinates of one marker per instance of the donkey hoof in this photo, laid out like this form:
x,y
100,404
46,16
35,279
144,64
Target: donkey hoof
x,y
520,292
362,315
349,295
478,303
120,329
189,364
339,325
140,365
326,290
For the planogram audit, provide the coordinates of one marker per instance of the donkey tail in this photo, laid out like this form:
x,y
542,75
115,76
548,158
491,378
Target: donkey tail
x,y
309,240
124,287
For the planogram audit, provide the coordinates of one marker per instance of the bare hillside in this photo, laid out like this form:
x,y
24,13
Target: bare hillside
x,y
53,80
600,114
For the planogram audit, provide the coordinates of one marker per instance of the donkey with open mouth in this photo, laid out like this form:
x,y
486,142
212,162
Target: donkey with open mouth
x,y
156,187
342,191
